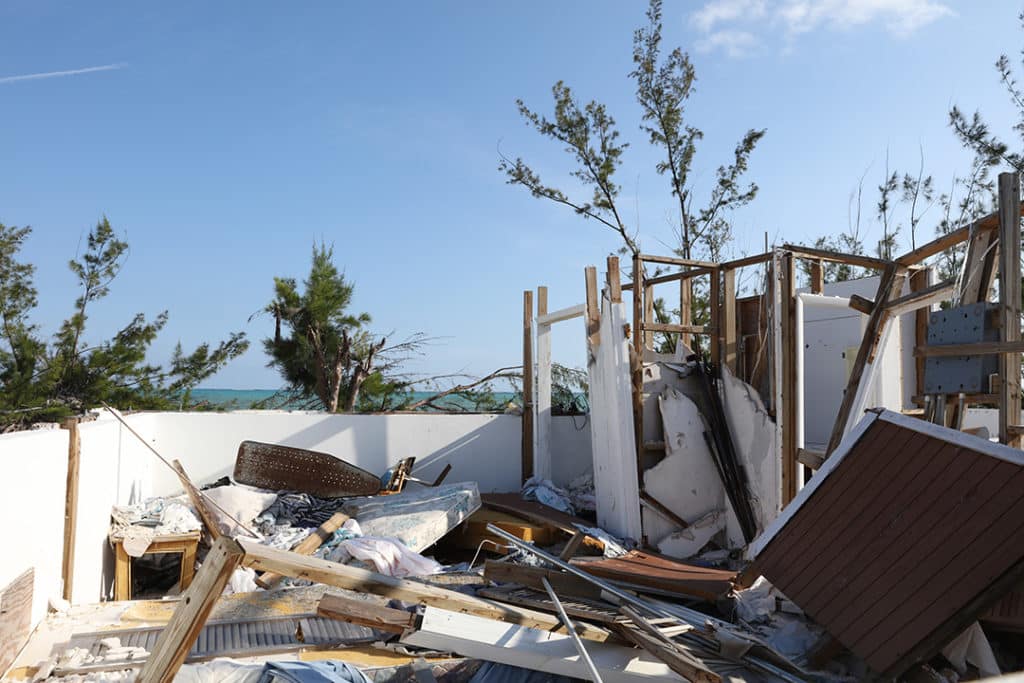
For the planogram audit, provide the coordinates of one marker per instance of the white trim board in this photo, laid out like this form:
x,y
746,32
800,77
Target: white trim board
x,y
532,648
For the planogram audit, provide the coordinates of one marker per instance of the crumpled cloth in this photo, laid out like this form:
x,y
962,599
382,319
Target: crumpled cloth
x,y
388,555
300,510
329,671
544,491
138,524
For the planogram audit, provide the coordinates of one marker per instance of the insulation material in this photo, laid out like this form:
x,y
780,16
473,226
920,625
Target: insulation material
x,y
418,516
685,481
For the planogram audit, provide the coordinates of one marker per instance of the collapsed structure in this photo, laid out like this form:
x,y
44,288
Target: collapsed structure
x,y
803,488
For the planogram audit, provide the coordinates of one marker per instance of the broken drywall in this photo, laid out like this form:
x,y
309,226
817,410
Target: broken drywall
x,y
753,436
686,480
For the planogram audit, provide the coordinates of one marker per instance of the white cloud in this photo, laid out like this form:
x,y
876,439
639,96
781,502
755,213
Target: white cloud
x,y
733,43
724,11
731,25
59,74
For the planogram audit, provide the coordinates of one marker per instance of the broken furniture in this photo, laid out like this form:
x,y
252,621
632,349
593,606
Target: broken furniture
x,y
183,544
908,533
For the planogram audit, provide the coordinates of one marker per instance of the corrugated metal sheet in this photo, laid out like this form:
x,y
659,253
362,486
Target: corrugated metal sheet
x,y
911,534
243,637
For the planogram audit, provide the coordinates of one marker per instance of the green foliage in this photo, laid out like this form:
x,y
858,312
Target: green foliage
x,y
320,349
44,382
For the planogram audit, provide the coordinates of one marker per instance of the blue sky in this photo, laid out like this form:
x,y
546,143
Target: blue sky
x,y
225,138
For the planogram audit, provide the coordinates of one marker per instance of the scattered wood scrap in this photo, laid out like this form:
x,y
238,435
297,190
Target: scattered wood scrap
x,y
538,513
307,546
664,573
473,531
365,613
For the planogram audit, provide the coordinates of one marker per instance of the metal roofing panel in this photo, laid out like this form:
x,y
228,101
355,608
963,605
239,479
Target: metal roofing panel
x,y
911,533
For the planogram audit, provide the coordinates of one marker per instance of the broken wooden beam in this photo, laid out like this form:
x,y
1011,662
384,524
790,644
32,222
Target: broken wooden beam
x,y
862,304
365,613
307,546
921,298
972,349
809,458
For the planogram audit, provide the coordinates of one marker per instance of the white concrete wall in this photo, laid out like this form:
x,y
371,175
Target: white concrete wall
x,y
32,495
116,468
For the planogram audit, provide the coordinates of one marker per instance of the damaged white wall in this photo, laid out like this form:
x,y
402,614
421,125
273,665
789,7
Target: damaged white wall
x,y
32,507
114,467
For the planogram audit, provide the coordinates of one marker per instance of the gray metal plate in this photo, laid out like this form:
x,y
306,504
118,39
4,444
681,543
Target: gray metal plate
x,y
955,374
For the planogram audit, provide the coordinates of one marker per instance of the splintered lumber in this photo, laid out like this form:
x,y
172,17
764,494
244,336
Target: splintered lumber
x,y
307,546
532,648
647,636
365,613
195,496
538,513
1009,305
664,573
473,531
190,616
564,583
590,609
264,558
922,298
572,546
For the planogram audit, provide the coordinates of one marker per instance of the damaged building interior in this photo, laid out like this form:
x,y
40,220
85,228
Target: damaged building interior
x,y
813,484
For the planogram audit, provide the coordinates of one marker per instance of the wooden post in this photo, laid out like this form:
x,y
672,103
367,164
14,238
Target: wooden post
x,y
1009,306
542,400
817,277
638,369
614,280
787,353
714,299
527,451
686,309
728,316
593,314
67,570
189,617
918,281
648,315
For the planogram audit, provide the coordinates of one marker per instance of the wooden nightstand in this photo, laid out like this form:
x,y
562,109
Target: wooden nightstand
x,y
186,544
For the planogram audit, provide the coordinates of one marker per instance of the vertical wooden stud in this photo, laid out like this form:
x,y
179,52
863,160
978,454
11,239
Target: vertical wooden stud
x,y
728,315
714,301
649,315
70,507
638,367
593,307
1009,306
817,277
614,280
686,309
527,452
542,399
920,280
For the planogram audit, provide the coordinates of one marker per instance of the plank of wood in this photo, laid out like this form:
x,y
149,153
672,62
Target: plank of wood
x,y
1009,305
922,298
365,613
593,316
538,513
714,313
869,262
979,266
648,315
15,617
673,328
542,400
191,613
67,568
665,573
531,648
637,370
527,419
614,279
591,609
754,260
949,240
676,261
263,558
861,304
197,500
817,276
873,332
787,352
307,546
564,583
686,309
809,458
644,635
971,349
573,546
728,330
917,282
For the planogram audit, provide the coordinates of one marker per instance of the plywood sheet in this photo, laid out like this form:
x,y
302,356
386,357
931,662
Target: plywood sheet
x,y
15,617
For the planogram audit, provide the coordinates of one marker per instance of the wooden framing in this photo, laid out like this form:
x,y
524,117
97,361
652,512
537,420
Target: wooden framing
x,y
921,298
67,568
729,330
869,262
786,412
527,446
1009,306
971,349
197,602
919,281
637,368
542,399
714,310
184,544
685,309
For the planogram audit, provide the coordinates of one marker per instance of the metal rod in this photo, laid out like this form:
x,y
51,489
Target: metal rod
x,y
594,674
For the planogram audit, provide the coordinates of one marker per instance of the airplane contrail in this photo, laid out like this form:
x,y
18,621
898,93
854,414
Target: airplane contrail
x,y
57,74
